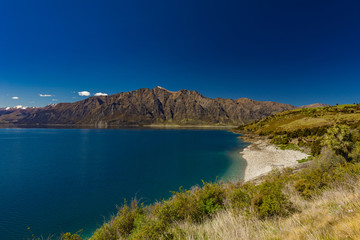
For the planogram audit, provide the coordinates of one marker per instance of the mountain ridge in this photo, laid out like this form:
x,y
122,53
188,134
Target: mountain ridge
x,y
148,107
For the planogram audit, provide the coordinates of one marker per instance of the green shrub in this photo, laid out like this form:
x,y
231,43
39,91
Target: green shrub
x,y
239,199
271,201
339,139
316,147
211,198
355,153
327,160
346,172
152,229
193,205
323,172
105,232
181,206
304,187
122,225
279,139
311,184
125,220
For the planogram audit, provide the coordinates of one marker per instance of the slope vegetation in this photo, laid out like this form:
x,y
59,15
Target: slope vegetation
x,y
300,119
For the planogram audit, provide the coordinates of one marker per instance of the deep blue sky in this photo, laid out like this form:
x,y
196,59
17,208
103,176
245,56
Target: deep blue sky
x,y
296,52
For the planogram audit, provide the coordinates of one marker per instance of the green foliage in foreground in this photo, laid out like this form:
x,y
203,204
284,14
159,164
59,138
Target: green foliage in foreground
x,y
265,201
337,162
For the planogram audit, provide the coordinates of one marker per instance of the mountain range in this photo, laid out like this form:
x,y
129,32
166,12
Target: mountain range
x,y
144,106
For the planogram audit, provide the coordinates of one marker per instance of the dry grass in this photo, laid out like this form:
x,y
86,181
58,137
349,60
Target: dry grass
x,y
305,122
333,215
307,118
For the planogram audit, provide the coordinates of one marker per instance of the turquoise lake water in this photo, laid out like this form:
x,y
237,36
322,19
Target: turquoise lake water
x,y
60,180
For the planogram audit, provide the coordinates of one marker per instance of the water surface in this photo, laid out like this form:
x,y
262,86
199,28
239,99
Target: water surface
x,y
59,180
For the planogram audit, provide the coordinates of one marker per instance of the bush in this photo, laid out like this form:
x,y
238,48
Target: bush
x,y
181,206
280,140
310,183
152,229
316,147
270,201
122,225
125,220
239,199
339,139
106,232
327,160
211,198
304,187
346,172
355,153
193,205
325,170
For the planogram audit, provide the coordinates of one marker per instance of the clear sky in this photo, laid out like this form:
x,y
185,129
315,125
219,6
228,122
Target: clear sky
x,y
296,52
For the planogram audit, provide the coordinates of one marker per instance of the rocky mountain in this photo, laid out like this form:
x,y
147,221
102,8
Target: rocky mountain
x,y
144,106
14,114
315,105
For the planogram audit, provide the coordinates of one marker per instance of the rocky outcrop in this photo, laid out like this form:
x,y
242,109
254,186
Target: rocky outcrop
x,y
151,106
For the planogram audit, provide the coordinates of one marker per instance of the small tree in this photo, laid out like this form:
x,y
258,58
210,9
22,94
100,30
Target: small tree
x,y
339,139
355,154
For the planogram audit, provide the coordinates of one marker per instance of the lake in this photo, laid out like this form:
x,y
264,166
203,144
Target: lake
x,y
60,180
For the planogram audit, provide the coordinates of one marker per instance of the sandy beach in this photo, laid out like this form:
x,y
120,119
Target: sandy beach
x,y
262,157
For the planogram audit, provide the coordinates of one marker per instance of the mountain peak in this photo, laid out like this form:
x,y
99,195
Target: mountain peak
x,y
159,87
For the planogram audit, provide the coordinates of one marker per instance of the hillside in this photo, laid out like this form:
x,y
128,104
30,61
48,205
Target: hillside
x,y
144,106
301,119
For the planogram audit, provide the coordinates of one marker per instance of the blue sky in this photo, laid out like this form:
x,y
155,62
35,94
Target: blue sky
x,y
296,52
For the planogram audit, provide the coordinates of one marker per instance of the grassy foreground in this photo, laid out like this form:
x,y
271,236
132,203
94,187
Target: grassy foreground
x,y
322,201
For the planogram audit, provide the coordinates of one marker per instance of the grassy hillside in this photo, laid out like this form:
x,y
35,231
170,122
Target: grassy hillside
x,y
305,128
302,119
320,201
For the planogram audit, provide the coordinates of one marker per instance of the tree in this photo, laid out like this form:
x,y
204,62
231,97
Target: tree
x,y
339,139
355,153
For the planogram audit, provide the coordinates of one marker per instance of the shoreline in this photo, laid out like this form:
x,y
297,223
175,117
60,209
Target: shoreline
x,y
92,126
262,157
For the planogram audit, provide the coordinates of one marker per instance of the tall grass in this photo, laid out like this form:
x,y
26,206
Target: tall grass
x,y
335,214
